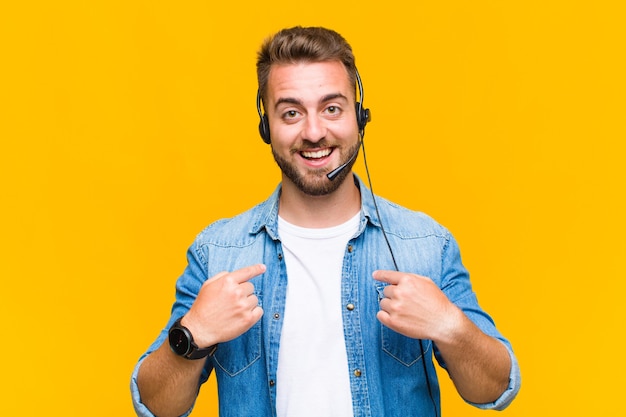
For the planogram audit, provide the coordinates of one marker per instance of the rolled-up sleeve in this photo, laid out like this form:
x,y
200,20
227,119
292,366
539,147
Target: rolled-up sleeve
x,y
511,392
140,409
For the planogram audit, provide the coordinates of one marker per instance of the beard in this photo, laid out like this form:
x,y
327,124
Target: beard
x,y
314,181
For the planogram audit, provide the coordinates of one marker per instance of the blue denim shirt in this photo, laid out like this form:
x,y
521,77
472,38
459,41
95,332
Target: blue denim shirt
x,y
387,373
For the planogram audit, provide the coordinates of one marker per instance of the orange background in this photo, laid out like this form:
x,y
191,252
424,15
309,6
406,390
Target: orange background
x,y
127,126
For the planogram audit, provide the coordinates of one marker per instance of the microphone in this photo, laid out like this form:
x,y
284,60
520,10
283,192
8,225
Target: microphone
x,y
332,174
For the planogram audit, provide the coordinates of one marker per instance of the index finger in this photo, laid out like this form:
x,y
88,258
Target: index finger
x,y
248,272
390,277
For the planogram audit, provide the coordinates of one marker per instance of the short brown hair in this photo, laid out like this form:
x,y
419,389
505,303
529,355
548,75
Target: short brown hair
x,y
303,44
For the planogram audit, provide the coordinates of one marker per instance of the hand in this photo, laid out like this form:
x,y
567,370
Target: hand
x,y
415,307
225,307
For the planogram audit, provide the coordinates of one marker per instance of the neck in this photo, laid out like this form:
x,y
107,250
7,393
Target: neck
x,y
319,211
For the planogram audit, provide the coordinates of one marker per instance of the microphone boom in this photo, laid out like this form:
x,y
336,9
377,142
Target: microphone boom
x,y
332,174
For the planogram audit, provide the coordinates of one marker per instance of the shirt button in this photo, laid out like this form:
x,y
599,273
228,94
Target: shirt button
x,y
350,248
357,372
272,383
276,315
280,256
350,306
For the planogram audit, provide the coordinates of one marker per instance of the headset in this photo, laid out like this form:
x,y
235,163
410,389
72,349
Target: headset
x,y
362,115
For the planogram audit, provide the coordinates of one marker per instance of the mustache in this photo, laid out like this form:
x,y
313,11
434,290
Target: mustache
x,y
307,144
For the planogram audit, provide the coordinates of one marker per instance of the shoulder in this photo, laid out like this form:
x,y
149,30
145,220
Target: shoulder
x,y
243,228
396,219
233,231
408,223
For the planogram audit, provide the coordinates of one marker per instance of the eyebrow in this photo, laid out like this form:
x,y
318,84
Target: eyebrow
x,y
327,97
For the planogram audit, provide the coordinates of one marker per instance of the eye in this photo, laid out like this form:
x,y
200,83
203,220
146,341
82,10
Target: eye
x,y
291,114
333,110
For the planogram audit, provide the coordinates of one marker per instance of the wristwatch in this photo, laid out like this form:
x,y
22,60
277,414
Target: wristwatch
x,y
182,344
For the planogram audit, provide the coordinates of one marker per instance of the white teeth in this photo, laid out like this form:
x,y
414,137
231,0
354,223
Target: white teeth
x,y
316,154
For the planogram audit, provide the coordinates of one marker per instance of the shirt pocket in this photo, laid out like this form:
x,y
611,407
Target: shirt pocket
x,y
403,349
237,355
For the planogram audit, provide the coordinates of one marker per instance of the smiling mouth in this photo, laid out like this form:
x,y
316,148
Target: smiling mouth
x,y
311,155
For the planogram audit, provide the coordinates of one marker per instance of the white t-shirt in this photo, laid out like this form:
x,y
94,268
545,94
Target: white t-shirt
x,y
313,377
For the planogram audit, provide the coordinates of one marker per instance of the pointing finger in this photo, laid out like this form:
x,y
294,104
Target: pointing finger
x,y
390,277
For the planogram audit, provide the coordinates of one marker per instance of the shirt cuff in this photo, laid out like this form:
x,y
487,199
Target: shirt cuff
x,y
140,409
510,393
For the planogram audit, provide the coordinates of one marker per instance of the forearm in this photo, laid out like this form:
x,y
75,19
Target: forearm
x,y
479,365
168,384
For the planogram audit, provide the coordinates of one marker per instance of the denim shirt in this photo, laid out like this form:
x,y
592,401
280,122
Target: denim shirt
x,y
388,371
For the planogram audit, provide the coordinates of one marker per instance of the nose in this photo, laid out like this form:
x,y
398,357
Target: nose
x,y
314,128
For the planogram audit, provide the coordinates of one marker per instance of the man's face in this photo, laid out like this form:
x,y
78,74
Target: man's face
x,y
310,107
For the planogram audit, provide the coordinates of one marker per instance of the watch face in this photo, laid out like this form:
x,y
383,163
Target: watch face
x,y
179,342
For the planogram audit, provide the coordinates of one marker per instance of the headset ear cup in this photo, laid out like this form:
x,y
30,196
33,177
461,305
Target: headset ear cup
x,y
264,129
362,116
264,124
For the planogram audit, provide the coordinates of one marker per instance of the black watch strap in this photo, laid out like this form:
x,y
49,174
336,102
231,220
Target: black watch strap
x,y
182,344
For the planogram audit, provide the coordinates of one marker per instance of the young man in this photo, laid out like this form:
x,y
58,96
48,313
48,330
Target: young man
x,y
320,302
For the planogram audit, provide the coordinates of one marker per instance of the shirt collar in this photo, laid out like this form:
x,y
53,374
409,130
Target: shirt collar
x,y
266,213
